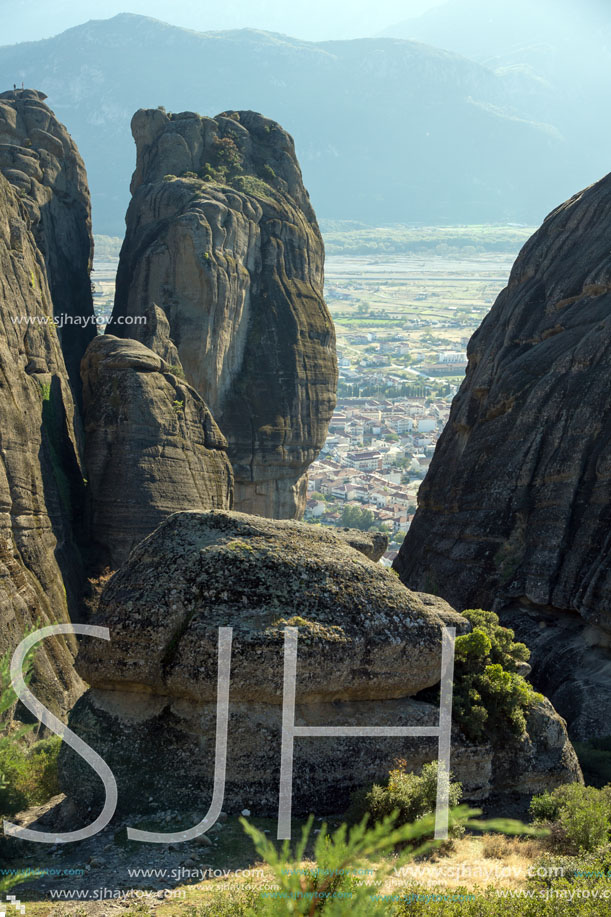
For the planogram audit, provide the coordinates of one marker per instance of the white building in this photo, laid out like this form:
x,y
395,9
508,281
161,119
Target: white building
x,y
427,424
364,461
451,356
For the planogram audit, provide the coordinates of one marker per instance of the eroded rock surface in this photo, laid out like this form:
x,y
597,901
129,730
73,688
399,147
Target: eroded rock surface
x,y
41,477
515,507
571,664
364,635
42,162
222,237
516,502
152,446
365,645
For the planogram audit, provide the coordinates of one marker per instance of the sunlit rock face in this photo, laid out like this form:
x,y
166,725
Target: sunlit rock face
x,y
221,236
152,447
366,647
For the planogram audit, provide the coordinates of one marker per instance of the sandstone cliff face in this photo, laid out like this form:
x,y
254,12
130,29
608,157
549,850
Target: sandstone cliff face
x,y
515,507
222,237
41,483
366,644
152,446
516,502
41,161
571,663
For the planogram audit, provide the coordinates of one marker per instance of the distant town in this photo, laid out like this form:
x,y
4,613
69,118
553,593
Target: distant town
x,y
403,323
373,462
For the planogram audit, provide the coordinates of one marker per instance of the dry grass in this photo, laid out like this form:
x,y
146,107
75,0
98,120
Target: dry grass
x,y
96,586
504,847
475,863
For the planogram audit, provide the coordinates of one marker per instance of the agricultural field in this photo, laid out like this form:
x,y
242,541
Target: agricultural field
x,y
403,316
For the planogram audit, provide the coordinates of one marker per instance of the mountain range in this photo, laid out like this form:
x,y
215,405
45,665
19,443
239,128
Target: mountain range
x,y
386,129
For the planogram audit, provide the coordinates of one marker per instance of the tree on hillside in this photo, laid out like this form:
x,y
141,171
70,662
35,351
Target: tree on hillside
x,y
354,517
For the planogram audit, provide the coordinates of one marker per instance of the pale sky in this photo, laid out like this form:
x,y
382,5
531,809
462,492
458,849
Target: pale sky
x,y
313,20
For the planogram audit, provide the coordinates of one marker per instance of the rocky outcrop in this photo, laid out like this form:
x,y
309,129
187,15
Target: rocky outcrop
x,y
570,661
221,236
515,507
366,646
152,446
516,502
41,478
367,637
41,161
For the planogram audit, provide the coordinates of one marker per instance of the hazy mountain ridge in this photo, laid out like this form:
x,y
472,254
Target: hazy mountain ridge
x,y
385,129
554,57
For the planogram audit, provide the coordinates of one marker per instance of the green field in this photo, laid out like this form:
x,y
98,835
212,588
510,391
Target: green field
x,y
345,238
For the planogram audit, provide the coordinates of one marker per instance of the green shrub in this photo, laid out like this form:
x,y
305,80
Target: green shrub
x,y
227,162
581,815
250,184
410,795
585,866
228,155
503,651
177,370
28,772
490,698
10,734
545,807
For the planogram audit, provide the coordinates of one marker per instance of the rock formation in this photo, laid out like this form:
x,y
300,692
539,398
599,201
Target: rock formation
x,y
259,576
41,479
222,237
225,264
152,446
515,507
41,161
570,661
366,646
